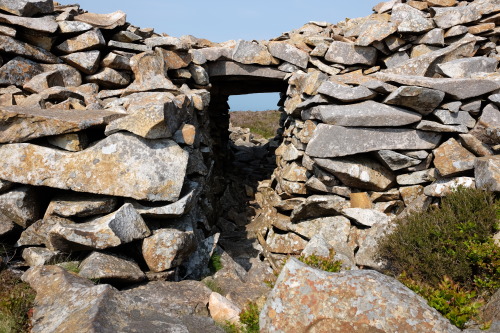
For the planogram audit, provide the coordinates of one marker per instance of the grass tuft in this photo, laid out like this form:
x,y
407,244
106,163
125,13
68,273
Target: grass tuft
x,y
16,300
261,123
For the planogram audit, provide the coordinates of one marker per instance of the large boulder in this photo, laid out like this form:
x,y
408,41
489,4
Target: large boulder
x,y
309,300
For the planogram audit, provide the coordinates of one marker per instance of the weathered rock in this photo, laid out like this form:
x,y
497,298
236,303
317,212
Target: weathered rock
x,y
37,256
41,24
168,248
27,8
289,243
368,242
370,302
422,100
70,142
150,74
424,62
110,267
365,217
334,141
109,78
116,61
11,45
418,177
6,225
338,226
475,146
433,37
223,310
376,32
487,173
344,93
103,21
462,68
319,206
19,124
37,233
350,54
409,19
120,227
21,205
143,170
432,126
455,118
81,205
87,62
129,47
196,266
443,187
289,53
396,161
458,89
229,68
87,41
451,158
73,26
448,17
410,194
488,125
247,52
176,59
155,307
359,172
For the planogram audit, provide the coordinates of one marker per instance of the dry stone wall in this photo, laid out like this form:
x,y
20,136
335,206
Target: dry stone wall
x,y
115,137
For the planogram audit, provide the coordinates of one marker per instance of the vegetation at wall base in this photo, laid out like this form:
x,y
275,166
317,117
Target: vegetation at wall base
x,y
260,123
447,254
327,264
215,263
249,318
16,301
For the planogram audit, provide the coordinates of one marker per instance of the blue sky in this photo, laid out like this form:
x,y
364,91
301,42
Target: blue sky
x,y
222,20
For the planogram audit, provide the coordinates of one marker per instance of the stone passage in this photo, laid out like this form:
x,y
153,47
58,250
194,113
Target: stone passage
x,y
115,145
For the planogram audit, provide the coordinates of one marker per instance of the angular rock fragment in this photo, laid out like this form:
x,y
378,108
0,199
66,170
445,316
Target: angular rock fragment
x,y
289,53
11,45
39,256
129,47
176,59
27,8
370,302
418,177
73,26
319,206
247,52
144,170
409,19
334,141
455,118
196,265
396,161
87,41
487,173
19,124
471,143
41,24
463,68
359,172
366,217
445,186
116,61
120,227
451,158
6,225
108,267
289,243
350,54
448,17
422,100
432,126
223,310
87,62
109,78
70,142
21,205
81,205
488,126
344,93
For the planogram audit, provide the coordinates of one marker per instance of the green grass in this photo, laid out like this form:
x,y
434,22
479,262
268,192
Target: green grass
x,y
261,123
249,318
213,285
327,264
16,299
447,254
215,263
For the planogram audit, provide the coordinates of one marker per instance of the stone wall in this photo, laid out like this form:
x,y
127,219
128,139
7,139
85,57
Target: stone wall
x,y
116,138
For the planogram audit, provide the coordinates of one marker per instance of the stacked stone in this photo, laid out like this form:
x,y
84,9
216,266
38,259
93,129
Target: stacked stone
x,y
103,155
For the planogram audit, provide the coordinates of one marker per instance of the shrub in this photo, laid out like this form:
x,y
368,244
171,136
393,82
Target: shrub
x,y
448,241
215,263
249,317
447,254
328,264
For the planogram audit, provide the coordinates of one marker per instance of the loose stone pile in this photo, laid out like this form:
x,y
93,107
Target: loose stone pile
x,y
114,138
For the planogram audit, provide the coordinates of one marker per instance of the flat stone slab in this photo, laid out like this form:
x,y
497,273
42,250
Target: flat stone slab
x,y
42,24
11,45
350,54
334,141
151,170
103,21
229,68
289,53
20,124
345,93
107,266
365,114
487,173
27,8
458,89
